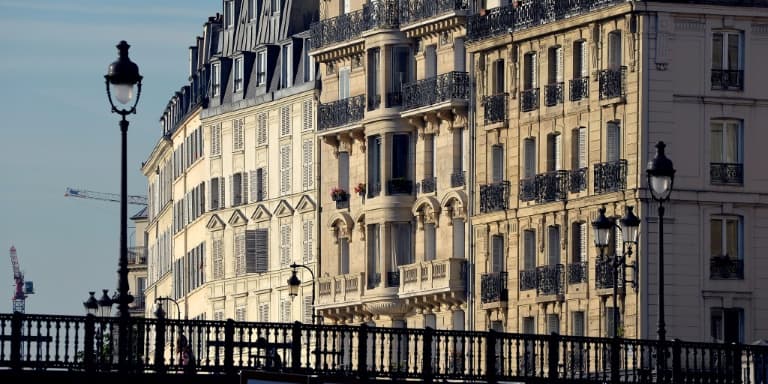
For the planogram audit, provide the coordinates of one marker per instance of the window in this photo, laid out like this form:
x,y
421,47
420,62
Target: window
x,y
253,8
374,166
218,315
264,312
307,116
259,184
554,152
286,66
727,325
237,135
400,152
285,310
345,6
239,252
579,148
285,168
555,61
553,244
529,249
239,188
609,321
553,323
726,247
257,250
401,73
229,14
579,242
240,313
374,255
499,84
577,326
309,62
261,68
275,5
613,142
530,74
429,241
218,259
727,60
497,254
343,255
458,238
497,161
285,120
307,165
726,152
215,79
529,325
343,171
217,193
238,78
372,72
261,129
215,131
307,242
580,61
285,245
308,310
401,238
529,160
614,50
343,83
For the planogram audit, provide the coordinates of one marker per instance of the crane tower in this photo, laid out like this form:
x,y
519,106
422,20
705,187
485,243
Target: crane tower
x,y
23,288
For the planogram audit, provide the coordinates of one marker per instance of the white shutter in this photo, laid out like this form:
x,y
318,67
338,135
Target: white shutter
x,y
240,313
583,241
534,72
584,60
308,310
343,83
285,120
244,186
222,193
285,245
582,147
264,312
237,134
261,129
613,149
285,169
264,179
307,115
530,250
307,179
530,157
618,242
254,191
558,152
307,241
218,260
559,64
285,310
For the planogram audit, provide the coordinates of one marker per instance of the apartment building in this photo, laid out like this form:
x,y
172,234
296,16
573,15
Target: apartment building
x,y
571,99
232,182
393,120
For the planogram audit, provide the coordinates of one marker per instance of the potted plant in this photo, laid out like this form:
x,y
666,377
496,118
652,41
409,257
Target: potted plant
x,y
338,194
360,189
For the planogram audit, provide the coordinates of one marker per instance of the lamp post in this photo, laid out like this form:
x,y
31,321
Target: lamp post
x,y
294,283
159,306
101,307
121,78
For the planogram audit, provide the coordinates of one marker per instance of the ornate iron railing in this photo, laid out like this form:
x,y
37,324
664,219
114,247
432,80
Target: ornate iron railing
x,y
604,273
550,279
427,185
373,189
727,80
341,112
611,176
527,279
494,196
374,102
528,189
337,29
437,89
137,255
545,187
412,11
399,187
495,108
493,287
579,88
613,83
529,100
458,179
726,173
578,180
577,272
723,267
394,99
553,94
381,14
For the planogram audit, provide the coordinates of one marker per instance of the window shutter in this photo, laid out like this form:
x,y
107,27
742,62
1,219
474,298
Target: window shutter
x,y
583,241
240,314
257,253
307,115
584,60
343,83
618,242
264,185
553,245
558,152
232,196
612,142
578,323
530,250
307,229
221,192
498,163
264,312
308,309
240,254
530,158
307,174
261,129
285,120
255,185
559,64
285,310
285,169
582,149
244,186
285,245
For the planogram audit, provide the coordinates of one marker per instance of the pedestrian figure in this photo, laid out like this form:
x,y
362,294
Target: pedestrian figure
x,y
272,358
184,355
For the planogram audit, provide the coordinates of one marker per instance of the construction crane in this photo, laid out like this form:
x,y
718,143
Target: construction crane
x,y
23,288
84,194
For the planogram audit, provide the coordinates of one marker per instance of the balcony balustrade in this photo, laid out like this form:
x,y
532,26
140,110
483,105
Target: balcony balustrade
x,y
493,287
339,289
494,196
399,187
529,100
577,272
527,279
435,90
433,276
723,267
727,80
394,99
341,112
604,274
458,179
579,88
726,173
495,108
550,279
381,14
337,29
553,94
611,176
413,11
545,187
578,180
427,185
613,83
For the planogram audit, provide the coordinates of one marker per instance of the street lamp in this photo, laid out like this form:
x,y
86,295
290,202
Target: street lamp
x,y
159,307
121,79
91,305
101,307
294,283
661,177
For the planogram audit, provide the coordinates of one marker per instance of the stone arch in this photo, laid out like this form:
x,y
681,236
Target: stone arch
x,y
426,209
455,205
340,225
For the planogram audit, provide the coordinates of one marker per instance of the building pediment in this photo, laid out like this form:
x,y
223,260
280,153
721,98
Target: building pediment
x,y
215,223
237,219
305,204
261,214
283,209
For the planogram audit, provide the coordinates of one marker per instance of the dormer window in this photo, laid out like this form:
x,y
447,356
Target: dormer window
x,y
215,79
252,9
309,63
274,6
261,68
285,66
238,74
229,14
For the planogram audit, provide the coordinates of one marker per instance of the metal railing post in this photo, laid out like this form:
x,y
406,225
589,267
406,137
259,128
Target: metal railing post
x,y
160,345
89,335
229,347
426,369
16,321
362,353
736,363
553,350
296,346
490,357
676,362
615,359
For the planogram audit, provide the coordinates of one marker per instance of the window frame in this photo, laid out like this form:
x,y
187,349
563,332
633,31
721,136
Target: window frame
x,y
261,67
215,79
238,78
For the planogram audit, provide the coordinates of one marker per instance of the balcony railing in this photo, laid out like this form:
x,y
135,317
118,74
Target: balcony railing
x,y
381,14
458,179
427,185
613,83
529,100
727,80
726,173
137,255
435,90
413,11
604,274
578,181
394,99
435,275
553,94
579,88
545,187
726,268
339,289
577,272
494,196
550,279
493,287
341,112
373,189
495,108
527,279
528,13
399,187
611,176
337,29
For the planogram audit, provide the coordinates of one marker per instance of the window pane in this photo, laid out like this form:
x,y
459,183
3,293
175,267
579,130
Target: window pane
x,y
716,237
716,146
732,238
400,156
717,51
731,144
733,51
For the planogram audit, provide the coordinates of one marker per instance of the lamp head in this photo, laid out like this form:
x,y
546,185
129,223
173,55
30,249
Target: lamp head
x,y
661,174
630,225
602,229
293,284
105,304
122,76
91,305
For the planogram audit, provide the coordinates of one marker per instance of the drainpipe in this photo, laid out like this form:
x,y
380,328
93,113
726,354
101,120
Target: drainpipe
x,y
469,234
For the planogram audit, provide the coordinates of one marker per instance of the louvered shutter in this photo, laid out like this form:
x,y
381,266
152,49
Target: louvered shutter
x,y
613,142
244,190
497,163
343,83
261,129
307,115
285,245
559,64
222,192
285,310
232,195
584,60
583,241
285,121
264,184
308,310
618,242
202,198
240,314
255,186
582,149
213,195
307,174
553,245
264,312
530,250
558,152
307,229
285,169
257,251
240,254
530,158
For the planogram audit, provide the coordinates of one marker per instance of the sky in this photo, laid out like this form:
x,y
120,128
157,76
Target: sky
x,y
57,132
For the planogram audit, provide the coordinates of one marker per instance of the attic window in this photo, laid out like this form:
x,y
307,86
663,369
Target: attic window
x,y
229,14
261,67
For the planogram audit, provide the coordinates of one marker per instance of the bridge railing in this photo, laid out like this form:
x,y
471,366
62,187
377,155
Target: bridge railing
x,y
89,344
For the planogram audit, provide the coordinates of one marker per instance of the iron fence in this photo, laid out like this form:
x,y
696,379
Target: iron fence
x,y
437,89
579,88
726,173
494,196
413,11
341,112
529,100
427,185
727,80
612,83
577,272
553,94
611,176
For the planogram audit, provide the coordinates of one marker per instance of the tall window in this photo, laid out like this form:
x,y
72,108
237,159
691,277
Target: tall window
x,y
286,67
239,253
614,50
497,254
555,62
401,65
257,250
458,238
400,151
553,245
430,241
609,320
372,73
499,83
579,148
237,135
285,310
374,256
229,14
613,141
529,325
554,152
529,157
343,83
215,131
580,67
579,242
430,61
343,172
727,60
553,323
285,245
307,165
727,325
529,249
215,79
374,166
309,62
259,184
240,313
239,188
726,247
217,193
264,312
577,324
401,238
261,129
285,168
530,72
726,148
285,120
343,255
261,68
218,259
497,161
238,78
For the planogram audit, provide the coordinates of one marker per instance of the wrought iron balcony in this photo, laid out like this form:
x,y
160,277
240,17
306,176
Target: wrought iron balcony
x,y
394,99
341,112
493,22
458,179
550,280
427,185
727,80
493,287
724,267
611,176
529,100
494,196
413,11
545,187
579,88
577,272
527,279
604,273
553,94
437,89
578,180
381,14
613,83
374,102
528,189
393,278
495,108
399,187
726,173
137,255
336,29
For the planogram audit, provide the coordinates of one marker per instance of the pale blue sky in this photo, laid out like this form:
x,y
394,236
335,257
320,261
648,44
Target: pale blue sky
x,y
57,132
